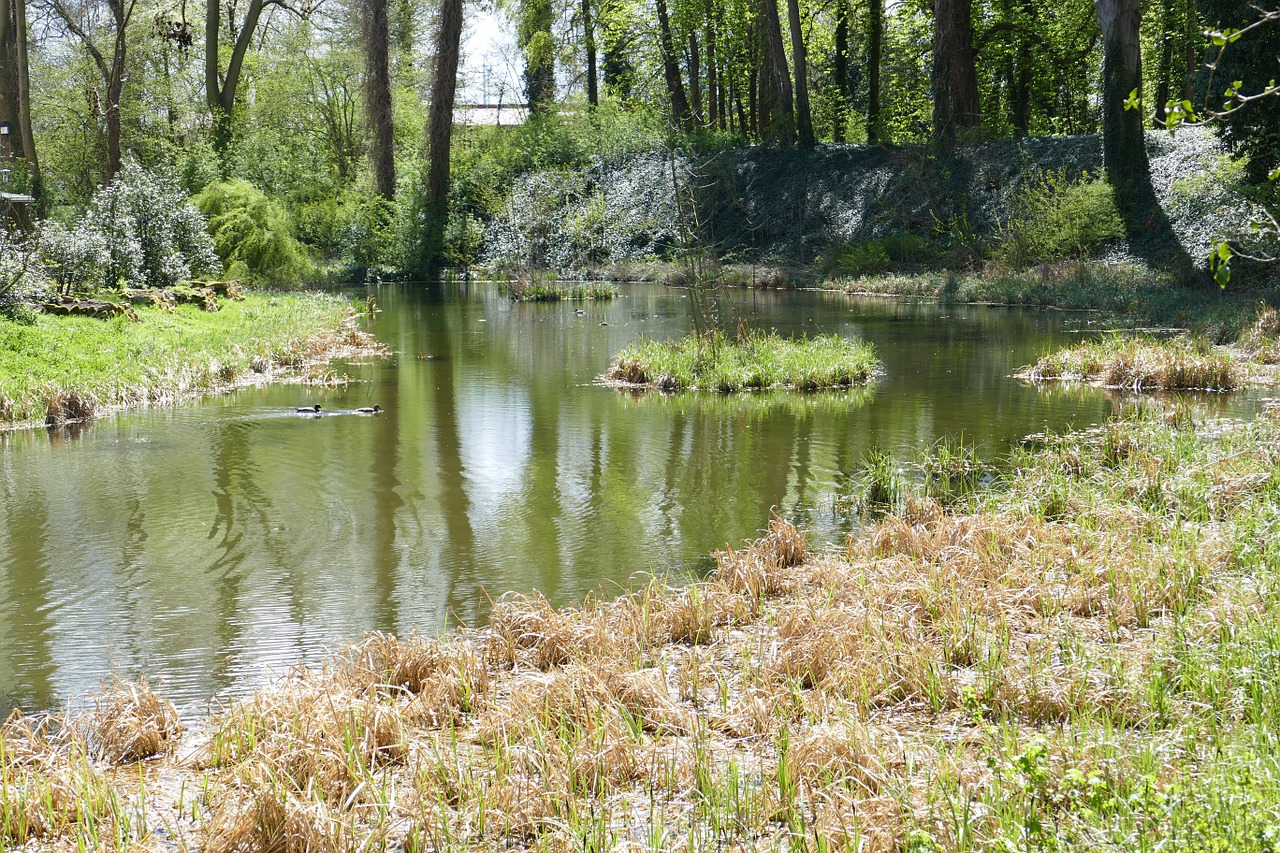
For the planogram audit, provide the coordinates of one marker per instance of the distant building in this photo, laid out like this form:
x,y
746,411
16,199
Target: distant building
x,y
490,115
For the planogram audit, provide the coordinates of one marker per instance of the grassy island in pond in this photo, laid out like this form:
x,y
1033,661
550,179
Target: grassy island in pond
x,y
560,291
1141,364
67,368
753,362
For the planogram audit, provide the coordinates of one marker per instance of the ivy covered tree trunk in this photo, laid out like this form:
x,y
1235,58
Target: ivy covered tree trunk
x,y
377,42
440,129
538,45
799,58
1124,149
589,47
955,77
15,89
840,112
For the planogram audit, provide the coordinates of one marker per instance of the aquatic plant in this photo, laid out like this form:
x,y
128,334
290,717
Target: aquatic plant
x,y
532,288
1141,364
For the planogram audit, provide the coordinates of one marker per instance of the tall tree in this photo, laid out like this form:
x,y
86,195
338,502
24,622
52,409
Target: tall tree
x,y
875,49
776,114
680,115
589,47
219,88
15,88
377,40
955,76
804,118
439,137
840,112
535,40
79,20
1124,150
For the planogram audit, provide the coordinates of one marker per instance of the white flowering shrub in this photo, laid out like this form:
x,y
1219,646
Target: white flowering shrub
x,y
153,236
22,282
77,259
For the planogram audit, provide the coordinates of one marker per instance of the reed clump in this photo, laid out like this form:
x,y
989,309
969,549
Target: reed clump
x,y
1141,364
754,361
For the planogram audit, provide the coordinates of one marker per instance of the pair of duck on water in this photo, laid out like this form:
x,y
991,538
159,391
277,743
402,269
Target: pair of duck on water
x,y
315,410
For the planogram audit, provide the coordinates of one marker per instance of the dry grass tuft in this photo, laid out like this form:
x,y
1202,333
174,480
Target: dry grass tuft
x,y
446,681
64,407
529,627
262,813
129,723
760,568
312,737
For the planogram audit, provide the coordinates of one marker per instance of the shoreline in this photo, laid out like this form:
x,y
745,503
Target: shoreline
x,y
987,667
329,330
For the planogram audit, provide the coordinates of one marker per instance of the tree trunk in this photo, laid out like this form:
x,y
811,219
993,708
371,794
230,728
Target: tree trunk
x,y
840,115
35,184
589,47
443,88
777,116
377,43
680,117
695,78
112,73
804,118
955,78
875,48
539,54
1124,150
220,90
715,114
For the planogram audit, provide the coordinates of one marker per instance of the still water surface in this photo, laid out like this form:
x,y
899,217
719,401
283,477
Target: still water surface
x,y
204,544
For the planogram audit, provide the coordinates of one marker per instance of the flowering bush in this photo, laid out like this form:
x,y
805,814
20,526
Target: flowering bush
x,y
21,279
76,259
153,237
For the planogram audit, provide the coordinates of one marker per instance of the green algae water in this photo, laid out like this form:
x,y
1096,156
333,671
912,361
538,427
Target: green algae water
x,y
206,545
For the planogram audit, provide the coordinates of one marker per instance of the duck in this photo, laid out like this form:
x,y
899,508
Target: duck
x,y
309,410
368,410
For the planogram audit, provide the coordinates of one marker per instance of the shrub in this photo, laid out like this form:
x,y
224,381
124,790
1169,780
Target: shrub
x,y
21,279
893,251
1058,217
77,259
253,235
154,238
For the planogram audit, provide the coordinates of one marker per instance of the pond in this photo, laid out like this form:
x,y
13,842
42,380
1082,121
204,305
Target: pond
x,y
205,545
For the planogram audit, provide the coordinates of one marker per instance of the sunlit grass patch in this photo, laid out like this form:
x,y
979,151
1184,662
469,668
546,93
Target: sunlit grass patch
x,y
755,361
63,369
1141,363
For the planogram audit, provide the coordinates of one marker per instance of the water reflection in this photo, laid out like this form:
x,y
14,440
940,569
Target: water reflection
x,y
201,544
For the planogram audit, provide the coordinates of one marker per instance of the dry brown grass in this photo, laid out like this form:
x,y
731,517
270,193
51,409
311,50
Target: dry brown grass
x,y
128,723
